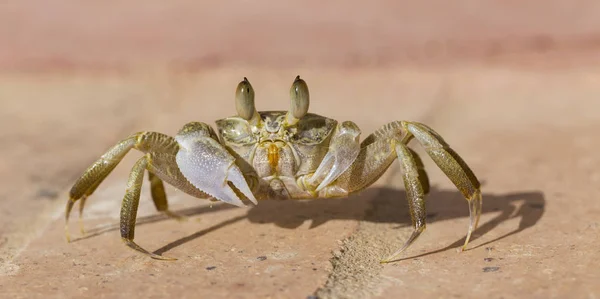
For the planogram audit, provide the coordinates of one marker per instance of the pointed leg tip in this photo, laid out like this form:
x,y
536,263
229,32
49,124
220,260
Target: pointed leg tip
x,y
162,258
68,208
67,234
131,244
464,247
474,215
391,259
413,237
394,257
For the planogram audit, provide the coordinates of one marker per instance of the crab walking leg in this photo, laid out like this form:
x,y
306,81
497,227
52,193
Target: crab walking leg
x,y
381,148
415,193
156,143
376,154
130,205
453,166
82,204
159,196
94,175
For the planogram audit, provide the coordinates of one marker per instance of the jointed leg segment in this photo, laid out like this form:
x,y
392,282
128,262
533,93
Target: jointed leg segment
x,y
160,152
159,196
382,147
94,175
130,206
454,167
415,194
207,165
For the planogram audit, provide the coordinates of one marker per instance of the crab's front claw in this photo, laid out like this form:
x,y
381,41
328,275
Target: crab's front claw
x,y
208,166
343,150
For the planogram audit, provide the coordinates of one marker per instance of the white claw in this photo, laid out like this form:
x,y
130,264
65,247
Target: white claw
x,y
236,177
328,166
208,166
343,150
341,159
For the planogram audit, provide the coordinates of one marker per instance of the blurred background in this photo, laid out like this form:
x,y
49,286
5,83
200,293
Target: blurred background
x,y
192,35
513,85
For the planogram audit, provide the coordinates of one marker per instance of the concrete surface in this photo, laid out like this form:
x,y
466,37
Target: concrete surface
x,y
515,91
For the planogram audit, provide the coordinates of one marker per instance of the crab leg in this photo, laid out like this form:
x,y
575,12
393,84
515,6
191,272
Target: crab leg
x,y
159,196
381,148
454,167
130,206
82,204
415,193
162,149
94,175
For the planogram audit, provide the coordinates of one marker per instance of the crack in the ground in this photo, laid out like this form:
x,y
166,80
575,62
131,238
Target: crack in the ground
x,y
356,266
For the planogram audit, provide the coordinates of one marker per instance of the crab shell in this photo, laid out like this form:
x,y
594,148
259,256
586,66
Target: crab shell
x,y
277,153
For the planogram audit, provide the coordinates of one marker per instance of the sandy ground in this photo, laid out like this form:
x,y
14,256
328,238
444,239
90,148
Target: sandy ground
x,y
513,87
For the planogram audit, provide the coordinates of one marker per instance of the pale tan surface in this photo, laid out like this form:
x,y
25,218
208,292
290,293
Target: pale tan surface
x,y
519,100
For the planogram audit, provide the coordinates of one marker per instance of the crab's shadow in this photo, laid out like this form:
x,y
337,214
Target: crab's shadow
x,y
378,205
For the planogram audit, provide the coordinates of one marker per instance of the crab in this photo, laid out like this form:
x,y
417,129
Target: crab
x,y
277,155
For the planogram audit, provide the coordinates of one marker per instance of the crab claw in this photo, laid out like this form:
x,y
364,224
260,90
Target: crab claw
x,y
208,166
343,150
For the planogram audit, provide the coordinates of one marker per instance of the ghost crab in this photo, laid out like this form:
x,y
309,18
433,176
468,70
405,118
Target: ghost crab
x,y
277,154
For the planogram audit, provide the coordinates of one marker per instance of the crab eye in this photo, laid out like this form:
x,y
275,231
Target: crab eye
x,y
300,98
244,100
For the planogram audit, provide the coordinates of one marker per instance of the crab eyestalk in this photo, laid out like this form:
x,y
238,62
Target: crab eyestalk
x,y
244,102
300,100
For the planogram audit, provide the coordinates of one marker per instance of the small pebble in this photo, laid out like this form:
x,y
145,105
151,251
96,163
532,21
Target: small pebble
x,y
488,259
261,258
491,269
211,268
